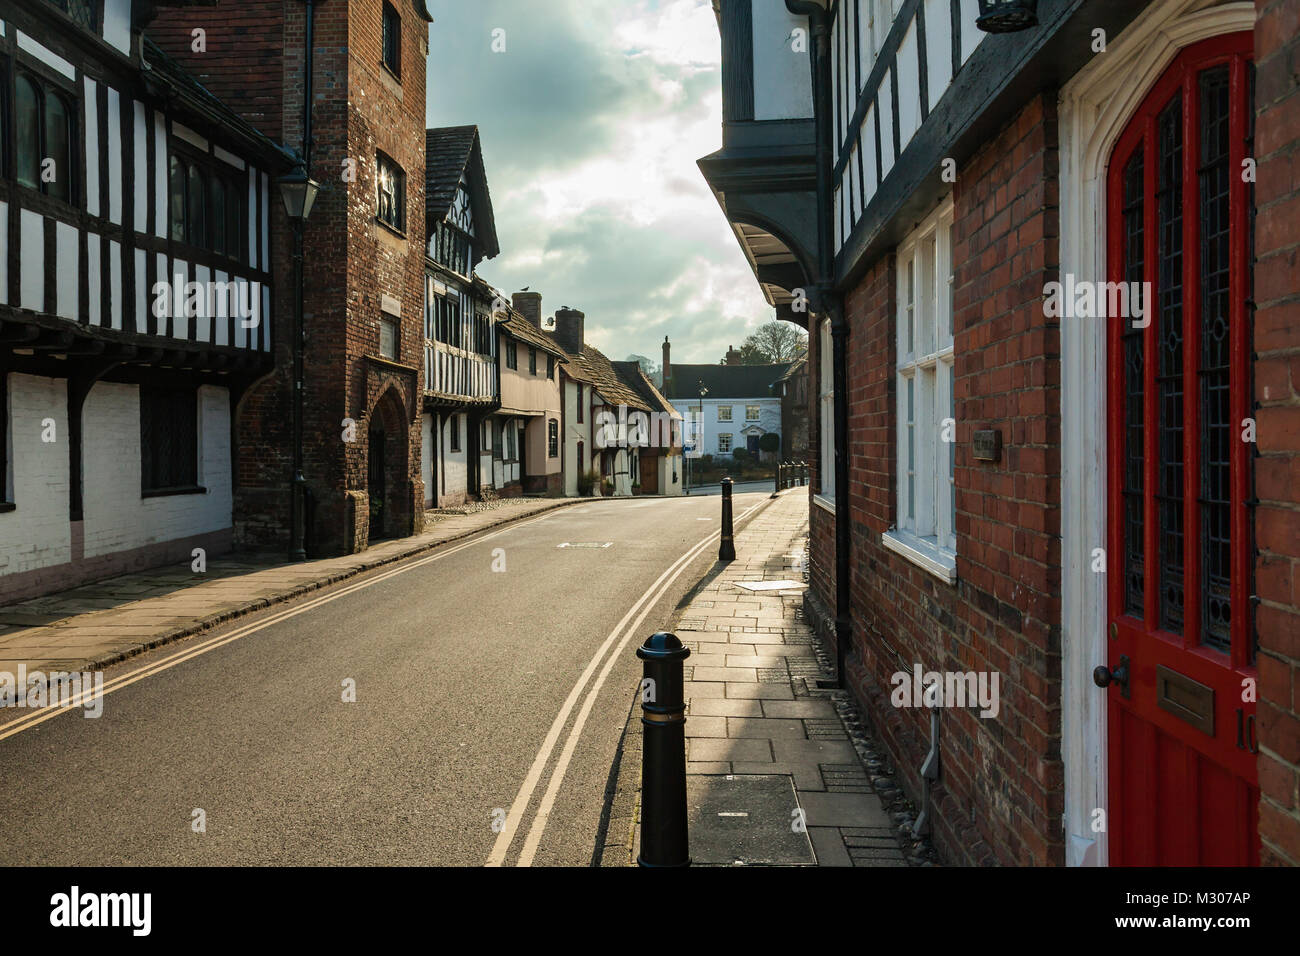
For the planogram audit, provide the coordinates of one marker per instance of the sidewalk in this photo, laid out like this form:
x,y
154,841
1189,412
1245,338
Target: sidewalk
x,y
93,626
766,749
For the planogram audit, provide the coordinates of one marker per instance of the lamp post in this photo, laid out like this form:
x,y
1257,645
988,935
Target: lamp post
x,y
699,422
1007,16
298,191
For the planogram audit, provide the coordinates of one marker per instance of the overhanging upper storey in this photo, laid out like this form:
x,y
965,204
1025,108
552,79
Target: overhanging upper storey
x,y
765,175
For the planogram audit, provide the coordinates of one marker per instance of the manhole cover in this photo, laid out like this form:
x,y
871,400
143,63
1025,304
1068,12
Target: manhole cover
x,y
770,585
586,544
745,819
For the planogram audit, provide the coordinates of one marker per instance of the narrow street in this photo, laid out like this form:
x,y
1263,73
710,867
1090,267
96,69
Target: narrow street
x,y
460,674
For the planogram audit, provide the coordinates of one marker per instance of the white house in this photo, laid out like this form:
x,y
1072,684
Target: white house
x,y
725,407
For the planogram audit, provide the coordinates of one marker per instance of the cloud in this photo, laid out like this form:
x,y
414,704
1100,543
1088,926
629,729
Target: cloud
x,y
592,120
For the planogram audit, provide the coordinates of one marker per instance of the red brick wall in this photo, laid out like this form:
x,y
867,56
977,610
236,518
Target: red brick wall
x,y
1001,795
350,260
243,61
1277,392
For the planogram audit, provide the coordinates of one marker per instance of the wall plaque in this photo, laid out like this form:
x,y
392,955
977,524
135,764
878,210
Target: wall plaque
x,y
987,445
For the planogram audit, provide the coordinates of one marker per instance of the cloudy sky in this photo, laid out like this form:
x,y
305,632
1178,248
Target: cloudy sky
x,y
592,120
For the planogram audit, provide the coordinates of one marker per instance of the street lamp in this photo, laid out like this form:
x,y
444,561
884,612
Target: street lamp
x,y
298,191
1007,16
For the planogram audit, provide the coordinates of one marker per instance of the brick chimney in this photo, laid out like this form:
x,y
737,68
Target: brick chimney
x,y
568,329
733,356
668,365
529,305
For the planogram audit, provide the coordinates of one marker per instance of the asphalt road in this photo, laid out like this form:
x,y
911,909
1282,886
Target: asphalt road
x,y
460,672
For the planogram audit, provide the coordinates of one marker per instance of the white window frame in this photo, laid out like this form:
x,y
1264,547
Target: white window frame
x,y
721,416
756,409
727,436
924,530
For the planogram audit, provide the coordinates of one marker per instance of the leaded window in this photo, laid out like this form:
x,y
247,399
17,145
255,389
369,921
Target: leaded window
x,y
1182,471
45,137
169,434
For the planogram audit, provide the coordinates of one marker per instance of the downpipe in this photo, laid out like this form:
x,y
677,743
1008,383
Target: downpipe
x,y
829,304
929,777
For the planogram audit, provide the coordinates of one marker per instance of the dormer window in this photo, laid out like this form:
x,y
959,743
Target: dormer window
x,y
462,213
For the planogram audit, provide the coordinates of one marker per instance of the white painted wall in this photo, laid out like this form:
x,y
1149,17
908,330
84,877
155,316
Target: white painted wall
x,y
117,518
36,533
117,24
427,452
909,87
769,420
575,432
782,77
454,468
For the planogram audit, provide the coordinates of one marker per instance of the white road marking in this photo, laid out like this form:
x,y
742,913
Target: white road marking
x,y
646,603
202,647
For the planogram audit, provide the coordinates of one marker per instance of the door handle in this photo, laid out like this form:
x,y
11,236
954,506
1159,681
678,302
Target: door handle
x,y
1104,676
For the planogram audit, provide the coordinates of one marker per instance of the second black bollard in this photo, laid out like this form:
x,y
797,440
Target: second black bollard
x,y
663,762
727,549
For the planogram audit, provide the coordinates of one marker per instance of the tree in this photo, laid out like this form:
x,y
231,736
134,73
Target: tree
x,y
773,343
649,367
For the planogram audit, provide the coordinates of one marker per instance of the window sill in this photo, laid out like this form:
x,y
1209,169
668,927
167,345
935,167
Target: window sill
x,y
942,564
826,504
173,492
7,506
400,234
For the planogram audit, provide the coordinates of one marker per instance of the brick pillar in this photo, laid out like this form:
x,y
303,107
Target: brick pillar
x,y
1277,393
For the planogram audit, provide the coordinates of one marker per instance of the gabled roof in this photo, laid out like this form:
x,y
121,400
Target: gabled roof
x,y
634,375
591,366
519,328
798,366
724,381
449,154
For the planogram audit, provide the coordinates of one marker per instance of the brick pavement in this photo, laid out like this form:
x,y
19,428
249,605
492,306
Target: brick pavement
x,y
754,707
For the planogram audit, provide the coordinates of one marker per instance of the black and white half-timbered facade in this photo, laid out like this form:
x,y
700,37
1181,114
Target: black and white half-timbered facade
x,y
135,297
1044,252
462,381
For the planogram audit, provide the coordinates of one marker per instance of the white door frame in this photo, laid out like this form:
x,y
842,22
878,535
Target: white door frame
x,y
1095,106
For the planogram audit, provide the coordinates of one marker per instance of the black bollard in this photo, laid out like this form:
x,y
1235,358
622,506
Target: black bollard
x,y
663,760
777,490
727,549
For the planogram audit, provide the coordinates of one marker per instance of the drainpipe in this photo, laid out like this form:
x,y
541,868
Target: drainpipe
x,y
830,305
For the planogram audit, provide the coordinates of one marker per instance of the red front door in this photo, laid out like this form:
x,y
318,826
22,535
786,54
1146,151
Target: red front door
x,y
1181,729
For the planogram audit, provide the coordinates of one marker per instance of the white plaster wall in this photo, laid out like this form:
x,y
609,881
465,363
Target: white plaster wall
x,y
574,432
36,534
117,517
938,49
909,87
782,77
454,469
426,458
117,24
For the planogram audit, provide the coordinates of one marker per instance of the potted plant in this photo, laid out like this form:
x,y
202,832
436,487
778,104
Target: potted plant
x,y
588,482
